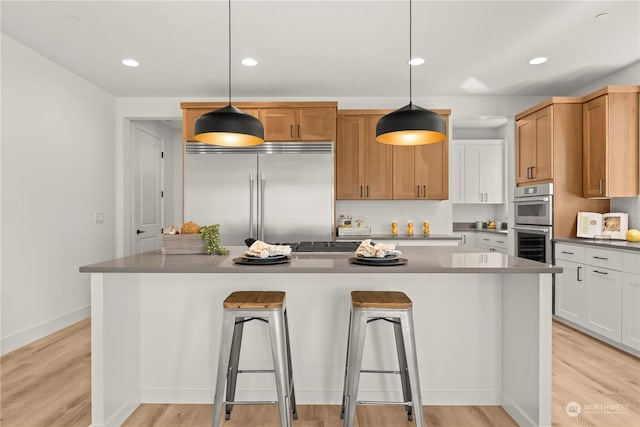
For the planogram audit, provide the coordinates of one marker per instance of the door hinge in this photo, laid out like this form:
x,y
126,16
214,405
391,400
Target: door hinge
x,y
162,194
162,154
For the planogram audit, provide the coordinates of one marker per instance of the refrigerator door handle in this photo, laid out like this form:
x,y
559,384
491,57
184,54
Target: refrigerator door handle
x,y
262,200
251,184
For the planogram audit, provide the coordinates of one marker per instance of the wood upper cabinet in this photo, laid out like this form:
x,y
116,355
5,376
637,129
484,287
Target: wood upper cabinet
x,y
299,124
282,121
363,165
610,142
534,150
422,171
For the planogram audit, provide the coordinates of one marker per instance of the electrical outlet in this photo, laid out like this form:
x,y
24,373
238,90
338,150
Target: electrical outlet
x,y
98,217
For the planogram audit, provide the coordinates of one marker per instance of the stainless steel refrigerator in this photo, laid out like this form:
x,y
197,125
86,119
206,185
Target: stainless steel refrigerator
x,y
275,192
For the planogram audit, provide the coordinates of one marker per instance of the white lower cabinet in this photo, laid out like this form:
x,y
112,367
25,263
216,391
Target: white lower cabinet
x,y
570,292
468,238
493,242
603,301
599,290
631,310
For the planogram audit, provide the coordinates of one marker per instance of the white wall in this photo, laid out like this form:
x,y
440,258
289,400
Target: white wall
x,y
57,171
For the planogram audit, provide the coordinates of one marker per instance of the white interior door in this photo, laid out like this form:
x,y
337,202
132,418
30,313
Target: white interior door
x,y
148,190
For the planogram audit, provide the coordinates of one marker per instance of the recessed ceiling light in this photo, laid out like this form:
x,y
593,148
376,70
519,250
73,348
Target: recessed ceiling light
x,y
249,62
538,60
130,62
416,61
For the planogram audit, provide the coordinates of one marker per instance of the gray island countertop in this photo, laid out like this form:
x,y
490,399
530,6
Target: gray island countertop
x,y
420,260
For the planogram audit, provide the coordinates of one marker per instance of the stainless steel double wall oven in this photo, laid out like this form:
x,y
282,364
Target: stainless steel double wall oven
x,y
533,224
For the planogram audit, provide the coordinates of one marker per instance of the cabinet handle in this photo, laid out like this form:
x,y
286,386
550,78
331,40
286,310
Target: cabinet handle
x,y
367,191
529,172
424,191
299,131
291,130
578,274
418,189
486,197
600,182
486,240
480,196
491,250
464,239
602,258
532,175
361,191
565,252
499,241
600,272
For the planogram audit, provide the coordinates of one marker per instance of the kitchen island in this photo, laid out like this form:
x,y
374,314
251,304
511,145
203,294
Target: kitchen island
x,y
483,329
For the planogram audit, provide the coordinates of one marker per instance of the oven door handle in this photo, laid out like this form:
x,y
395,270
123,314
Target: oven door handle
x,y
524,228
530,199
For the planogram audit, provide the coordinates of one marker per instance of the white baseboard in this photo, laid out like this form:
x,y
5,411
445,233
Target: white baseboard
x,y
29,335
516,412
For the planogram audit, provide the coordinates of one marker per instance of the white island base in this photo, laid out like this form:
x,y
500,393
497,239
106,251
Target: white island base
x,y
483,338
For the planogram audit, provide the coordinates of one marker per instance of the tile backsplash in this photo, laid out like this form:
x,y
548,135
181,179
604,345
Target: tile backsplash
x,y
631,205
378,214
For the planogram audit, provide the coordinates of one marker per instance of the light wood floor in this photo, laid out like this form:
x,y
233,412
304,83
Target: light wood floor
x,y
47,383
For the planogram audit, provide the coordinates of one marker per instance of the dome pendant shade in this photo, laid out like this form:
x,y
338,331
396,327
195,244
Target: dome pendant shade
x,y
411,125
229,126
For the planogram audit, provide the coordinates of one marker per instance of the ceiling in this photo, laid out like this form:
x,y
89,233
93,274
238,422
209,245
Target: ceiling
x,y
331,49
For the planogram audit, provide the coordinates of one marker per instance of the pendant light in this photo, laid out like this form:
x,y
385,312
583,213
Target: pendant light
x,y
229,125
411,124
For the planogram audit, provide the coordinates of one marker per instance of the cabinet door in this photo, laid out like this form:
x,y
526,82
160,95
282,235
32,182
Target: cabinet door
x,y
525,149
472,192
377,163
316,124
543,166
469,239
350,137
432,170
279,123
569,290
490,178
603,304
594,143
404,173
189,121
631,310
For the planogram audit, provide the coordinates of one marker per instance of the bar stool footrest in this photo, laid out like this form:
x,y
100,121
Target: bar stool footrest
x,y
383,402
251,402
378,371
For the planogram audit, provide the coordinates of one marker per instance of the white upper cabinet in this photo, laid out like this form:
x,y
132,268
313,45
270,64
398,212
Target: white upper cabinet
x,y
477,171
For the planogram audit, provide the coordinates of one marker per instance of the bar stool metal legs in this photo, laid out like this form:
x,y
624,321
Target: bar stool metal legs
x,y
231,338
402,320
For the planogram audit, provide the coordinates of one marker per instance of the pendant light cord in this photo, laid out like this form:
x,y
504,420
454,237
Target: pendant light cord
x,y
410,57
229,58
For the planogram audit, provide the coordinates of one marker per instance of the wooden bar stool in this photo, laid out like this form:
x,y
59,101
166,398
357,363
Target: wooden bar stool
x,y
394,307
239,308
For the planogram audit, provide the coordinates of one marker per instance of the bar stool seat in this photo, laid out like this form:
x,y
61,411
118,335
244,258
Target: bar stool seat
x,y
394,307
239,308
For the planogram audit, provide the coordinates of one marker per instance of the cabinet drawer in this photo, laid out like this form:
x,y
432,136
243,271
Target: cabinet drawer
x,y
631,263
571,253
603,258
500,240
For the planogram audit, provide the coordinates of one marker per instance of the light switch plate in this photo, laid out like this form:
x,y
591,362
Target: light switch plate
x,y
98,217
